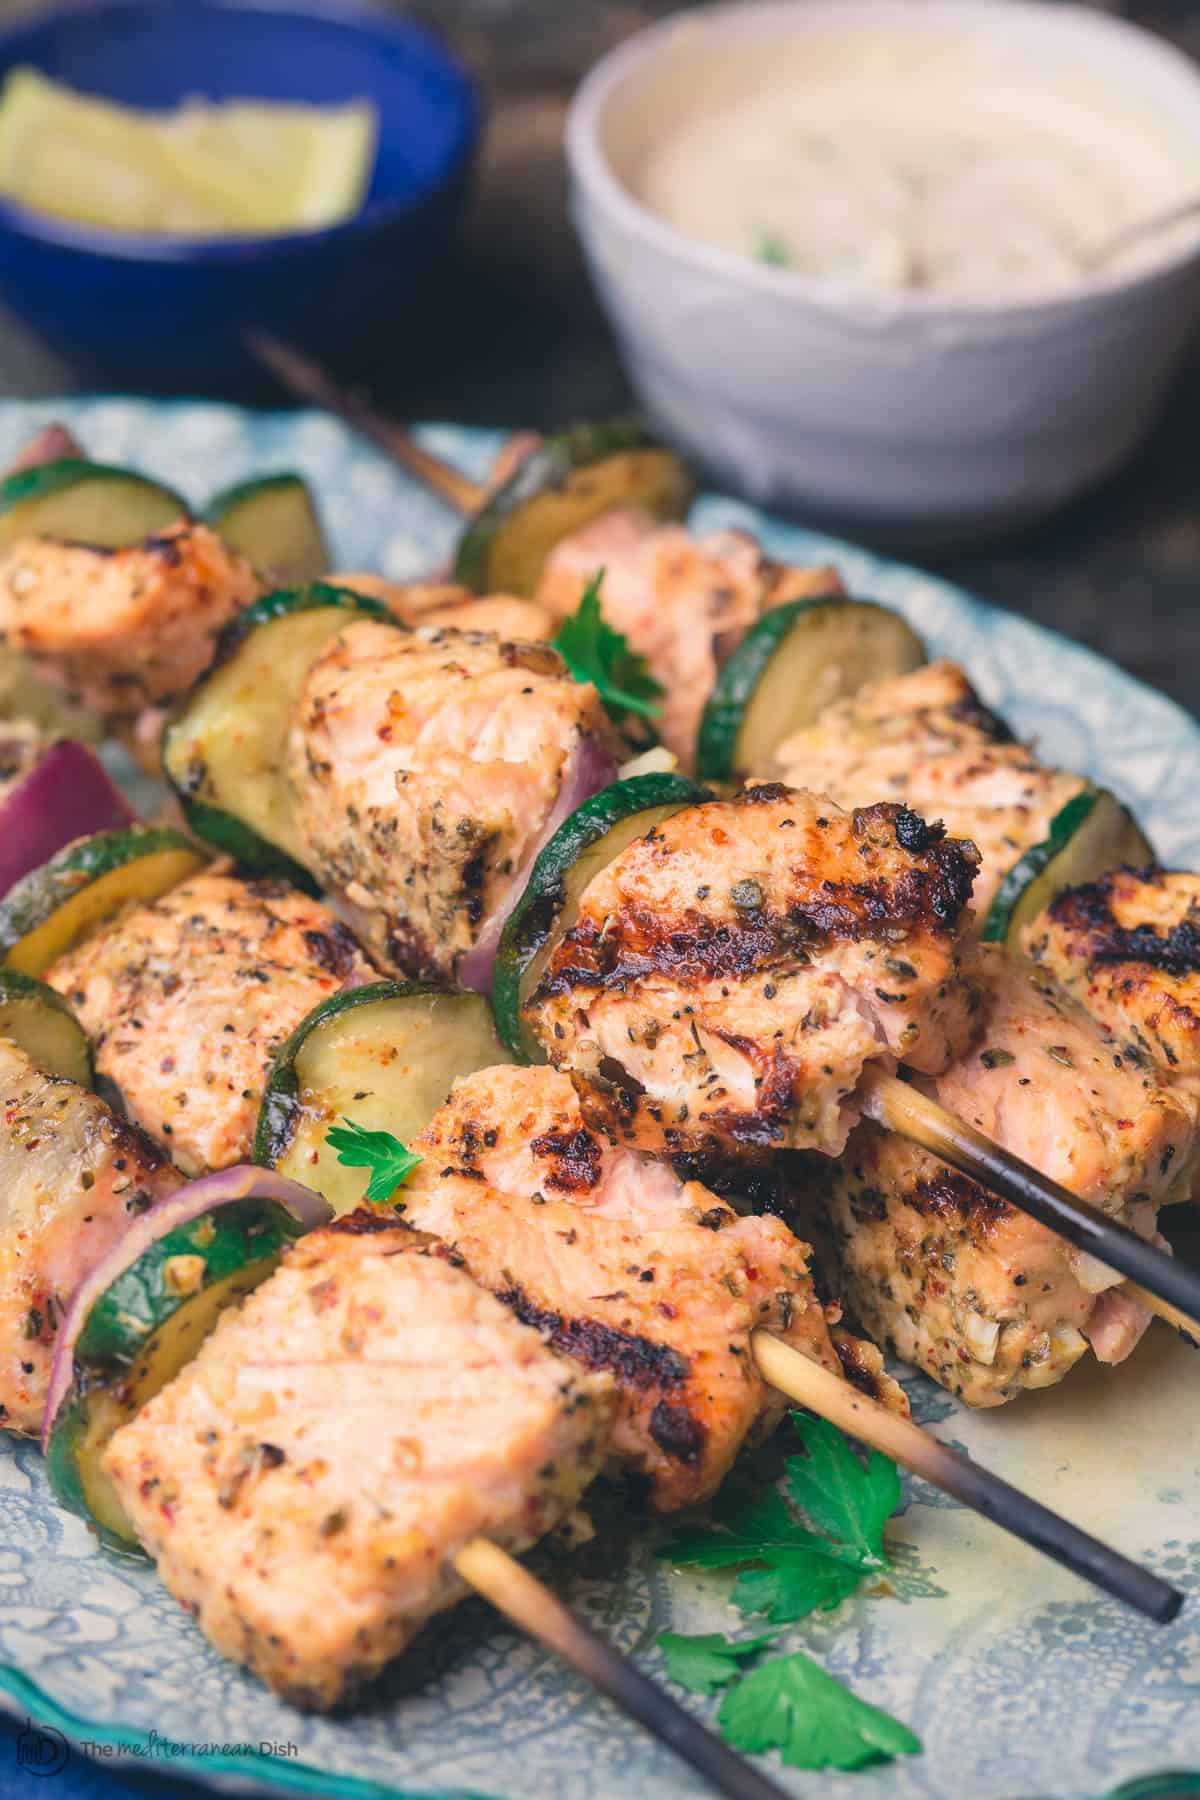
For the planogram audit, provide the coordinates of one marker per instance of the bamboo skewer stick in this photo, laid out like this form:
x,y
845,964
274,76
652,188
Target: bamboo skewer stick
x,y
1162,1281
525,1600
835,1399
1162,1309
310,383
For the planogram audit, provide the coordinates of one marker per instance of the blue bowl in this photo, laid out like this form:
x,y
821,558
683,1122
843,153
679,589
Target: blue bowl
x,y
174,310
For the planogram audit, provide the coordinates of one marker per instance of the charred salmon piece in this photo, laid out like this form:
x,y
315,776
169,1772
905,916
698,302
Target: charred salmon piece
x,y
1127,947
72,1176
927,740
732,973
307,1480
624,1267
427,766
121,630
956,1280
680,601
187,1000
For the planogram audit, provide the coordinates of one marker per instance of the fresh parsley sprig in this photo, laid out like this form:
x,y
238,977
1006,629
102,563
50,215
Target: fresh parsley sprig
x,y
791,1704
595,651
390,1161
797,1552
787,1569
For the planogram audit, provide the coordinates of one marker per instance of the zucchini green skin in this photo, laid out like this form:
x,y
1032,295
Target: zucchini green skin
x,y
30,903
279,605
532,921
545,468
211,824
1002,922
236,515
44,479
279,1110
739,677
22,998
114,1352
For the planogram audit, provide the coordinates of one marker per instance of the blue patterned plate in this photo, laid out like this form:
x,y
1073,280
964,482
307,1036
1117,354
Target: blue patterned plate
x,y
1019,1681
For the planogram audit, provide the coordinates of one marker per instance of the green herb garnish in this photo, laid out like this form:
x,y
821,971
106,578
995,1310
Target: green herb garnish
x,y
704,1664
595,652
389,1161
773,250
791,1705
789,1570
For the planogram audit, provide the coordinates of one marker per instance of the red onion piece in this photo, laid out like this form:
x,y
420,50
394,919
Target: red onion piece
x,y
66,795
51,444
593,768
246,1182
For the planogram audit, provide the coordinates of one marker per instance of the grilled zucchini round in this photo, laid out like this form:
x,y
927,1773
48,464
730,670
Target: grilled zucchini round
x,y
83,502
52,908
223,751
272,520
39,1022
1092,834
793,663
587,842
562,485
385,1056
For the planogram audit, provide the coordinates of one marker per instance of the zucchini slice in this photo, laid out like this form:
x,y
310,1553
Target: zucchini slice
x,y
85,503
587,842
223,751
788,668
39,1022
51,909
1092,834
143,1313
385,1056
561,486
272,520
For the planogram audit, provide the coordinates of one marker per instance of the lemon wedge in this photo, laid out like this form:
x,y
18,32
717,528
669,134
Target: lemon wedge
x,y
236,168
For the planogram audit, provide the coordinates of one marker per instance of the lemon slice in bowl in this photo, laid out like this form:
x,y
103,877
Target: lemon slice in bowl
x,y
236,168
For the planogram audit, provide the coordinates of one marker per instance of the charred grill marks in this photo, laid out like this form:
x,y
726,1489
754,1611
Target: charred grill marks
x,y
637,1361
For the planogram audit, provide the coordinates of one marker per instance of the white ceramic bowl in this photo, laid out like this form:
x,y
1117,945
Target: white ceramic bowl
x,y
909,413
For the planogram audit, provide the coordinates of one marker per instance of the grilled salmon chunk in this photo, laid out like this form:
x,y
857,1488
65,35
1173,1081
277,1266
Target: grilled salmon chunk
x,y
122,630
681,601
71,1176
621,1265
732,972
427,768
927,739
307,1480
955,1279
1128,948
445,603
187,1000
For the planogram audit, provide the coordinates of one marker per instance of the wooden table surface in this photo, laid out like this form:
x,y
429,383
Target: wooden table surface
x,y
514,337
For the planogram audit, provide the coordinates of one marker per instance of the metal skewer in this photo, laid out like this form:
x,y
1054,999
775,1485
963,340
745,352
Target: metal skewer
x,y
525,1600
843,1405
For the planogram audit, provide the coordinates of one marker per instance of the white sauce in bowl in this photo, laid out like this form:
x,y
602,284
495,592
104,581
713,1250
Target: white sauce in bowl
x,y
907,160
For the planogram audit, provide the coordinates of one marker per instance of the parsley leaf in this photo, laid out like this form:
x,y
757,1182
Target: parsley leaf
x,y
773,251
787,1570
595,652
704,1664
389,1161
793,1706
849,1502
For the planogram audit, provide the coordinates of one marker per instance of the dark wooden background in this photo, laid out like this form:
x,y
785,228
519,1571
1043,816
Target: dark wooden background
x,y
515,338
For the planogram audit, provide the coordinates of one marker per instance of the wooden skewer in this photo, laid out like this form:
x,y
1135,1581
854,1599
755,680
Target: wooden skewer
x,y
1162,1281
525,1600
306,381
843,1405
1162,1309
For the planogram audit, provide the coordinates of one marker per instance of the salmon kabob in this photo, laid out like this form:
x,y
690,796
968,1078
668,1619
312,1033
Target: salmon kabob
x,y
142,963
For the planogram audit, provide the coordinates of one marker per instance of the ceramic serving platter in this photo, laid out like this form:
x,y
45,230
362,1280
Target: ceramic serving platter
x,y
1020,1682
